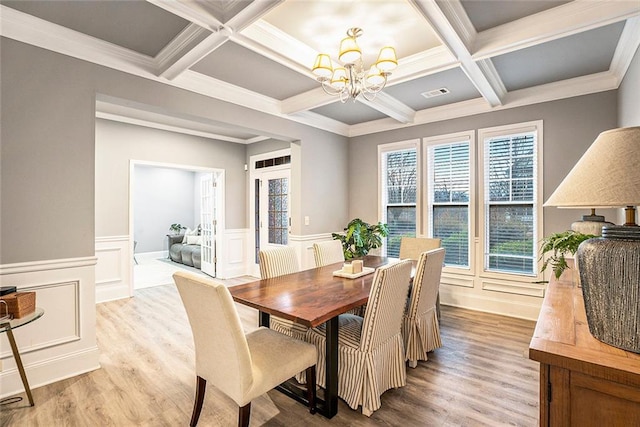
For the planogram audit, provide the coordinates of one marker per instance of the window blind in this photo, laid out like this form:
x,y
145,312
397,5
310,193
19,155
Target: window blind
x,y
510,197
400,194
449,189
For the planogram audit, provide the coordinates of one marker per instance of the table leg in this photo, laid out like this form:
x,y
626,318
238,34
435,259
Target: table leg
x,y
264,319
16,356
331,371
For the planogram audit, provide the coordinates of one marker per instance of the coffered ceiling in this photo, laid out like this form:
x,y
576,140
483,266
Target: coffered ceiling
x,y
484,55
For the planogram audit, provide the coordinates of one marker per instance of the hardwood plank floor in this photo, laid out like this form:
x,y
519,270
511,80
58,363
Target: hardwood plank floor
x,y
480,377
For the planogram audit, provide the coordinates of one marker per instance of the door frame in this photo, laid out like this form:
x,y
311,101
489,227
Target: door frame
x,y
220,199
257,174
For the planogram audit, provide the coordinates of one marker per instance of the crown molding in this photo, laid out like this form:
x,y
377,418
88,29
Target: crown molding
x,y
570,88
552,24
38,32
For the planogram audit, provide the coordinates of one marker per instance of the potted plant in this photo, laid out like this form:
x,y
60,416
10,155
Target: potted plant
x,y
176,228
561,244
360,237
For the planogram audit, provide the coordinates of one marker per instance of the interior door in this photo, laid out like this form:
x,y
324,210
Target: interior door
x,y
274,201
208,192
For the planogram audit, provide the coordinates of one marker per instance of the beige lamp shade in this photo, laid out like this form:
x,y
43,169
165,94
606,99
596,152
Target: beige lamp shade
x,y
374,77
339,79
387,60
349,50
322,67
608,174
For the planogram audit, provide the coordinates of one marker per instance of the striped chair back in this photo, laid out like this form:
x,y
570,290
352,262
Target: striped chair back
x,y
412,247
278,261
328,252
426,282
387,301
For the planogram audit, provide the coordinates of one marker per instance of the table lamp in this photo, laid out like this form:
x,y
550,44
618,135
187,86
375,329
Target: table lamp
x,y
608,175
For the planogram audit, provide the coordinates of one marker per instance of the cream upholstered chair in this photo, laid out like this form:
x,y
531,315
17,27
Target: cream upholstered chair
x,y
328,252
371,357
420,328
276,262
241,366
412,247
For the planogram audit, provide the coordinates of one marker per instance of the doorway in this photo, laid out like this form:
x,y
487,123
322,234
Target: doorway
x,y
163,194
270,198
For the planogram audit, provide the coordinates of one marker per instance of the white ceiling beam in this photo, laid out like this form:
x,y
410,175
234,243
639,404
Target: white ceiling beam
x,y
627,46
562,21
182,59
451,24
390,106
191,11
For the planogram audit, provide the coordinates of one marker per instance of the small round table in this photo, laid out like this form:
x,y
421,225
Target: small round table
x,y
8,326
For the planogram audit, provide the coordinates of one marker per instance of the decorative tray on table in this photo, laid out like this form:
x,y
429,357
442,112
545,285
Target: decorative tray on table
x,y
364,272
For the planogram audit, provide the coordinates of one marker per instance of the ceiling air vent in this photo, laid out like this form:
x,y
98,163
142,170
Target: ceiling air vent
x,y
435,92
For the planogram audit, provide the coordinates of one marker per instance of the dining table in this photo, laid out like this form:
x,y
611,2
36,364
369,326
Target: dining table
x,y
312,297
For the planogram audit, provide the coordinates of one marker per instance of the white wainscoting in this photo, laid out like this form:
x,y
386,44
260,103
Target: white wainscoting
x,y
62,343
233,253
114,273
521,299
304,247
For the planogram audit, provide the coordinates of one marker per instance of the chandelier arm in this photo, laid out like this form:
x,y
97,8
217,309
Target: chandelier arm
x,y
369,96
329,90
375,88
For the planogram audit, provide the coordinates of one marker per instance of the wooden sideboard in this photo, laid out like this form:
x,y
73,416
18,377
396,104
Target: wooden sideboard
x,y
583,382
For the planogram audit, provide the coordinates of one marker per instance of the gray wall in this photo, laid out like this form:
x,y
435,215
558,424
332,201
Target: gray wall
x,y
48,152
570,126
629,95
119,143
161,197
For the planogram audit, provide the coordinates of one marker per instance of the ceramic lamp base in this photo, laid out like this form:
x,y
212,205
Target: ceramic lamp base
x,y
610,277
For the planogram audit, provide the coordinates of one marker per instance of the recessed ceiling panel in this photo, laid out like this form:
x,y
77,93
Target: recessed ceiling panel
x,y
321,25
410,93
485,14
350,112
242,67
136,25
578,55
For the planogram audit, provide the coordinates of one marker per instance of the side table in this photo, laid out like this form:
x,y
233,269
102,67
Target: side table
x,y
8,326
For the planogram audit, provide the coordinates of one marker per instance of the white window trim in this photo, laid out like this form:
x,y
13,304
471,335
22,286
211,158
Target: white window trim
x,y
424,189
397,146
538,234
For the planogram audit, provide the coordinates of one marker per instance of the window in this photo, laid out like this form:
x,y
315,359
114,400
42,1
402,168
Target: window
x,y
449,195
399,171
510,199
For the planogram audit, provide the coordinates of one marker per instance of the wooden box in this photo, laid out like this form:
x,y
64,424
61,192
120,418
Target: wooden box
x,y
20,303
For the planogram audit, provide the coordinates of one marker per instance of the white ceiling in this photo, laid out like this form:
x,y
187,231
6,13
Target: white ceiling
x,y
489,54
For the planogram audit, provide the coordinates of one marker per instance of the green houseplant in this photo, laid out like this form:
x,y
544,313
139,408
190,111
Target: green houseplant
x,y
360,237
176,228
561,244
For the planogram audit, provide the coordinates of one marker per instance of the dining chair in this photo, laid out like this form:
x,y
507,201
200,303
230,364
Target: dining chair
x,y
371,358
412,247
329,252
420,327
276,262
241,366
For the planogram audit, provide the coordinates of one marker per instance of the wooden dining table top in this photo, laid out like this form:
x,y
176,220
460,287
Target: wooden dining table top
x,y
309,297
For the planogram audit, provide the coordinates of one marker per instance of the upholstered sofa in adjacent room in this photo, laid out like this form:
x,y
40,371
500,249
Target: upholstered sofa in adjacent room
x,y
185,249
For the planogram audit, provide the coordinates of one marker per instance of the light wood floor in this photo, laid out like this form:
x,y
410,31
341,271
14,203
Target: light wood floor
x,y
480,377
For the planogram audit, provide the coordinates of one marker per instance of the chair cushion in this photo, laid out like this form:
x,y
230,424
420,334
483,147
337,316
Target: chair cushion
x,y
349,330
187,254
274,357
175,252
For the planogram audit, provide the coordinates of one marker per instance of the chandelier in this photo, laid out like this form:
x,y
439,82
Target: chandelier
x,y
351,79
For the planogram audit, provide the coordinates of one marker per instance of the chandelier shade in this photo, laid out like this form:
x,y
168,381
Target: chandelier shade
x,y
351,79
